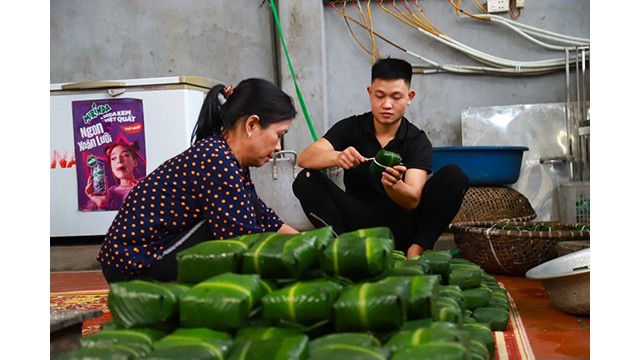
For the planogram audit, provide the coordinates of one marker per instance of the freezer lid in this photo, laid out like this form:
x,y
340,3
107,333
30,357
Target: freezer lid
x,y
188,80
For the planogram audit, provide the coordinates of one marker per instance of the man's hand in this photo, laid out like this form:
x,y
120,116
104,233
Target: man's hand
x,y
392,175
349,158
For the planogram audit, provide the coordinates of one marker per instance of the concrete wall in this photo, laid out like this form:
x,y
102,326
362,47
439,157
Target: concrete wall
x,y
231,40
123,39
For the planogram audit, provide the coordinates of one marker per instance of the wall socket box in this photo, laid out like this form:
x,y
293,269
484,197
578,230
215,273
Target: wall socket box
x,y
497,6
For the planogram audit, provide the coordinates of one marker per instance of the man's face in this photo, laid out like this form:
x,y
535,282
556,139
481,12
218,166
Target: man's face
x,y
389,100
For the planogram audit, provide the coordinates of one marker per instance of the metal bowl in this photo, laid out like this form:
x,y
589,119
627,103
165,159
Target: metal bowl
x,y
567,281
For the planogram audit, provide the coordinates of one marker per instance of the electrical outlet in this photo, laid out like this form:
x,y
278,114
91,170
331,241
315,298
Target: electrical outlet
x,y
496,6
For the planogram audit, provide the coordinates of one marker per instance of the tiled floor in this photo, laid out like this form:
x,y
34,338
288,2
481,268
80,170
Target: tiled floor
x,y
553,334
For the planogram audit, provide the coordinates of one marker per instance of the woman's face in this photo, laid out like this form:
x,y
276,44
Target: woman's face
x,y
123,162
265,142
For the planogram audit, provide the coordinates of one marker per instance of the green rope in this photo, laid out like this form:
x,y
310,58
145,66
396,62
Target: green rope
x,y
284,46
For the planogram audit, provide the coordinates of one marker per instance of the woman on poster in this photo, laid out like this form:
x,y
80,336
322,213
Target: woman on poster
x,y
123,161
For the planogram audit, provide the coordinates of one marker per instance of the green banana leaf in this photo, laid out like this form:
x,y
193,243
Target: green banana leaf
x,y
279,348
140,339
323,236
303,303
496,318
189,335
265,333
382,160
379,231
438,261
268,285
347,338
142,303
192,349
408,267
341,351
466,278
356,259
440,350
110,351
477,351
477,297
223,302
482,333
281,256
210,258
421,291
447,309
451,291
369,307
499,299
408,338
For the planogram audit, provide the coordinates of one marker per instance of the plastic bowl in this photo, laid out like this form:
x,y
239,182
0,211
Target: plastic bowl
x,y
567,281
484,165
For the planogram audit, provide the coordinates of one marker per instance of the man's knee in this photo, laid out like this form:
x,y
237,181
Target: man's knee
x,y
304,181
454,175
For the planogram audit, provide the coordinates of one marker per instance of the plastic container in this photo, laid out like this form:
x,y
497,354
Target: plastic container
x,y
575,202
484,165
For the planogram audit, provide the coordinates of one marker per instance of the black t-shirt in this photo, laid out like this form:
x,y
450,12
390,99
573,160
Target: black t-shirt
x,y
410,142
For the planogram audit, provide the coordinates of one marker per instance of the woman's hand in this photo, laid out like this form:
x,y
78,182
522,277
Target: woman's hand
x,y
287,229
414,250
99,200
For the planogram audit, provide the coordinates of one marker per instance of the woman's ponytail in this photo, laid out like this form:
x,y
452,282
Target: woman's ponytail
x,y
212,118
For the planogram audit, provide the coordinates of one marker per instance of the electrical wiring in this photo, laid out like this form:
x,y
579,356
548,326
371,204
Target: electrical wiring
x,y
373,38
571,40
484,10
399,18
413,16
511,6
371,52
460,11
425,19
493,65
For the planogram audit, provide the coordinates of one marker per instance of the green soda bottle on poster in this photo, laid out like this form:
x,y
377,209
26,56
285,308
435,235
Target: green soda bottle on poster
x,y
97,168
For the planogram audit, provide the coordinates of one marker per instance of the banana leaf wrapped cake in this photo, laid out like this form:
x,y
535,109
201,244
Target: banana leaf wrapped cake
x,y
140,340
269,343
375,307
304,303
281,256
359,256
224,302
142,303
210,258
306,296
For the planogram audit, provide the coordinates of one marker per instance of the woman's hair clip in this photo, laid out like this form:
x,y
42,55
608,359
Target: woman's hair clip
x,y
227,91
224,94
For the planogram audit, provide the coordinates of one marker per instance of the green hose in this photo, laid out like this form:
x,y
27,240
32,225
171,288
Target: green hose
x,y
293,75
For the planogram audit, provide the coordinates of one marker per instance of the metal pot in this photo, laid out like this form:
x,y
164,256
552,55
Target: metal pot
x,y
274,181
567,281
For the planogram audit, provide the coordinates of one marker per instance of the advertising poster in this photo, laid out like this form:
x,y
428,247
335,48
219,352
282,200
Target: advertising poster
x,y
109,151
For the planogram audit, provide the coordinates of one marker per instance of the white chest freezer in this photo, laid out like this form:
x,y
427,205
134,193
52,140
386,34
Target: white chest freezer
x,y
89,119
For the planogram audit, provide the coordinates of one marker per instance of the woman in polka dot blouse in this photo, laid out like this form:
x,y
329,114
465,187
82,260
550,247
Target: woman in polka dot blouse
x,y
205,192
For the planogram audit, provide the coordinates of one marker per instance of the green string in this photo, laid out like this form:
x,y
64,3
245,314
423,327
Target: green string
x,y
284,46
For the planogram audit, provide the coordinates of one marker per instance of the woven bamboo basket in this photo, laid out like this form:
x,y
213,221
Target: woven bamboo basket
x,y
494,203
512,252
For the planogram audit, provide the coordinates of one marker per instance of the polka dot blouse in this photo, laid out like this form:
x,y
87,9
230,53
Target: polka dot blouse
x,y
205,181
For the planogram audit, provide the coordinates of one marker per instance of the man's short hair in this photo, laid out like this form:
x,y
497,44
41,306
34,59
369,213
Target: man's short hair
x,y
392,69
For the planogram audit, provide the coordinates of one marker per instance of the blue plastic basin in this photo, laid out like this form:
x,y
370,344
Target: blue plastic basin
x,y
484,165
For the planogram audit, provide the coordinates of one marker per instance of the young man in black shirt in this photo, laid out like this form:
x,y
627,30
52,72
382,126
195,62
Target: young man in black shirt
x,y
417,210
